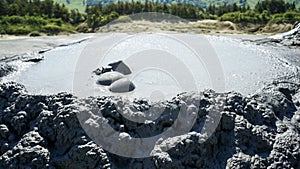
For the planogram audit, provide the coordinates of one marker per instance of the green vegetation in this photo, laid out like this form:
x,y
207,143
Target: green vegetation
x,y
264,12
21,17
21,25
99,15
80,4
248,16
274,6
289,16
36,17
264,17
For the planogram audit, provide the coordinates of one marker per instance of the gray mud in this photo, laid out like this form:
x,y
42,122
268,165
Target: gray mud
x,y
246,66
257,131
12,48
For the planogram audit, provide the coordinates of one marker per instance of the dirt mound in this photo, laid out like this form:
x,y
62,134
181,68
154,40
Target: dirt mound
x,y
182,26
259,131
276,27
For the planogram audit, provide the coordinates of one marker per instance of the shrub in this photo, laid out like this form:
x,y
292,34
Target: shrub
x,y
108,18
292,16
35,21
231,16
51,29
14,19
288,17
21,31
239,17
265,16
56,21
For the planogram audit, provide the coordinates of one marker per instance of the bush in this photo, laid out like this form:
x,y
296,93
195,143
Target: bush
x,y
265,16
231,16
108,18
292,16
287,17
14,19
51,29
21,20
57,21
21,31
35,21
244,17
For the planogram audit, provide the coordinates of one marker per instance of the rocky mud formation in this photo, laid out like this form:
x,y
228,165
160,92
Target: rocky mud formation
x,y
6,69
258,131
290,38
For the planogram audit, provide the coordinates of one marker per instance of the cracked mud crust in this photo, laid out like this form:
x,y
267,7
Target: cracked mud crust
x,y
257,131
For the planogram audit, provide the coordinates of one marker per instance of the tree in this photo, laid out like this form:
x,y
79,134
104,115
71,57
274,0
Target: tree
x,y
234,7
76,16
3,7
13,9
273,6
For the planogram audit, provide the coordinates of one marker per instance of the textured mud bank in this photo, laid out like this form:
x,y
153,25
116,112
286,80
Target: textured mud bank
x,y
258,131
290,38
6,69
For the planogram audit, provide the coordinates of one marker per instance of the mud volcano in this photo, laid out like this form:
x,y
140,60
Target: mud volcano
x,y
258,131
261,130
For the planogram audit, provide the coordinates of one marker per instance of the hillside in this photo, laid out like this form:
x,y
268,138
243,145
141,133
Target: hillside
x,y
80,4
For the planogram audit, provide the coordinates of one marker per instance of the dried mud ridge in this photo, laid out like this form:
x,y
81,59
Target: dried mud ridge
x,y
290,39
258,131
6,69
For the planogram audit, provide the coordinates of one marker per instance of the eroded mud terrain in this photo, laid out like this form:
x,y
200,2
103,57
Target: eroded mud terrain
x,y
257,131
290,38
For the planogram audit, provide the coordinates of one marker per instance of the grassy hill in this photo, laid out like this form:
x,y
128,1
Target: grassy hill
x,y
80,4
